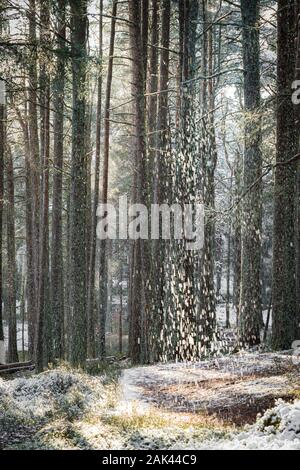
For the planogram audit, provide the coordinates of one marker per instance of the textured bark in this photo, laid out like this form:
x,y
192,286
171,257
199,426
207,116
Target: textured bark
x,y
57,277
44,351
104,199
78,186
209,162
145,34
163,100
285,328
237,238
138,321
297,110
121,303
30,284
12,355
2,137
152,90
160,172
250,304
228,277
219,265
88,152
34,175
93,242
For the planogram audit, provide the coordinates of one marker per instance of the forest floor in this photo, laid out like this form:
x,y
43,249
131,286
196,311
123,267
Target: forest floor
x,y
207,405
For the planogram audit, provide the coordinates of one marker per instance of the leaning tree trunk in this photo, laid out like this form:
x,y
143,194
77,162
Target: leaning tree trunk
x,y
78,186
285,326
57,283
250,303
11,261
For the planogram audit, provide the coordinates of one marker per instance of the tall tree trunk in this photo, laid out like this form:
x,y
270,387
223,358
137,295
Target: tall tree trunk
x,y
152,90
29,282
57,277
237,238
138,321
2,146
209,162
228,277
78,185
121,304
160,171
104,198
44,333
11,261
250,308
219,266
297,109
285,328
93,242
34,174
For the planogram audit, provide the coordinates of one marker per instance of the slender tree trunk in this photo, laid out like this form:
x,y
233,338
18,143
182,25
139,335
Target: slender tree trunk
x,y
251,310
139,338
285,328
145,35
91,281
297,109
219,266
121,309
88,152
30,284
34,175
153,87
78,185
23,309
160,171
44,334
2,146
67,280
228,278
11,261
209,162
57,277
237,238
104,199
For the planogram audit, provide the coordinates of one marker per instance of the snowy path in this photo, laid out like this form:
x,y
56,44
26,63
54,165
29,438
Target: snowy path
x,y
233,388
224,392
165,406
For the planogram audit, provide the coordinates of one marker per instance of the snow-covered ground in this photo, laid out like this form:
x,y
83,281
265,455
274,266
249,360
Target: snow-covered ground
x,y
203,405
233,384
56,409
277,429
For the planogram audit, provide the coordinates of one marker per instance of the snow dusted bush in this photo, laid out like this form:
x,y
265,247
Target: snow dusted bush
x,y
282,421
278,428
50,394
